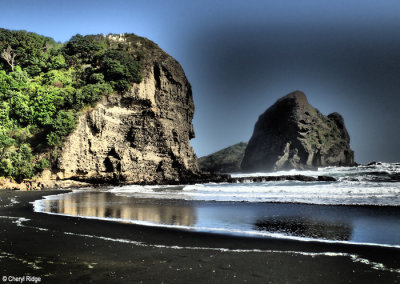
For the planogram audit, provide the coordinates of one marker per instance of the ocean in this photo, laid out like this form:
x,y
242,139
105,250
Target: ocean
x,y
361,207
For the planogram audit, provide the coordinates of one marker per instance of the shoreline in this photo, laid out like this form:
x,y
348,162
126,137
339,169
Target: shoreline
x,y
40,184
184,215
61,248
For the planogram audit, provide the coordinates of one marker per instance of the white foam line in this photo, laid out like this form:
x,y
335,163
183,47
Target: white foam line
x,y
8,217
221,230
353,257
13,200
38,228
20,220
272,194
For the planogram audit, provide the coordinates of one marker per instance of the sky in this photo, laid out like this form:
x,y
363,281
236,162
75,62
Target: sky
x,y
241,56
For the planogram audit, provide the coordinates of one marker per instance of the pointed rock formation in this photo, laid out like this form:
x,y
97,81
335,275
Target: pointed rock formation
x,y
292,134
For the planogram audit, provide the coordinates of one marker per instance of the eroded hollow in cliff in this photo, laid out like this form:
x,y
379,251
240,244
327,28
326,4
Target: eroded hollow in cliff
x,y
157,74
109,165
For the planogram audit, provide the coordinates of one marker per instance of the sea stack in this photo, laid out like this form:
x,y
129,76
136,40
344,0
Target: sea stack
x,y
292,134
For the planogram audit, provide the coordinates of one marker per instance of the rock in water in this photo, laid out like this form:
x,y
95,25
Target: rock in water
x,y
140,136
292,134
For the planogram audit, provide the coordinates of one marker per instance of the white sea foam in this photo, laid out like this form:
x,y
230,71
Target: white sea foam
x,y
353,257
363,171
19,221
363,185
14,200
330,193
357,191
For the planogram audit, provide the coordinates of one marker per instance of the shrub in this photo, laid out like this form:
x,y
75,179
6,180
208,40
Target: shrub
x,y
120,69
62,125
41,165
48,83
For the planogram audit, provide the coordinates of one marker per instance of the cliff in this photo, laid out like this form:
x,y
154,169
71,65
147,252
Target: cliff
x,y
292,134
138,136
227,160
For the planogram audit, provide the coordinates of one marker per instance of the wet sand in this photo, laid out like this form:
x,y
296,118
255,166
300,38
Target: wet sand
x,y
61,249
351,224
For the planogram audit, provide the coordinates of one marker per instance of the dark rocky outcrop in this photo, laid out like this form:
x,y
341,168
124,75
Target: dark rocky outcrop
x,y
292,134
139,136
223,178
227,160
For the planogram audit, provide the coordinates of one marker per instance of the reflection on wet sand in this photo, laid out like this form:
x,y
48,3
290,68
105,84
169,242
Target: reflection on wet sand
x,y
304,227
360,224
106,205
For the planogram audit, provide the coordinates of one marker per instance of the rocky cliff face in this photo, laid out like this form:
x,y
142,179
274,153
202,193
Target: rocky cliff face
x,y
292,134
140,136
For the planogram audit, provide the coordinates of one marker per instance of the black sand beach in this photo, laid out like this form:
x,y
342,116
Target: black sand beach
x,y
60,249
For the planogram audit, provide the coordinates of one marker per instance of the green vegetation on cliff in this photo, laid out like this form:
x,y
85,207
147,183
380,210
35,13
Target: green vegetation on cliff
x,y
44,85
224,161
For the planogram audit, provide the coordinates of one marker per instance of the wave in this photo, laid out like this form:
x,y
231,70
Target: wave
x,y
352,188
328,193
376,172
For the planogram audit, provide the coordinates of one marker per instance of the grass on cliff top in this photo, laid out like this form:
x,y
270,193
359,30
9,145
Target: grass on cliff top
x,y
44,85
230,155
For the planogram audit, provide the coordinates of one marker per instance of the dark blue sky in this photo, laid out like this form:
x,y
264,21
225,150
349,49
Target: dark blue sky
x,y
241,56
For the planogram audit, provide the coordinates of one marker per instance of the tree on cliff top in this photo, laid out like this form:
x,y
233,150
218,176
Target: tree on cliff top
x,y
9,56
43,86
